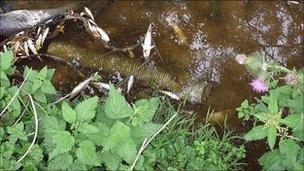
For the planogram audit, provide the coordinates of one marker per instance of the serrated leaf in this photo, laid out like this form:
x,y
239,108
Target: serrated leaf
x,y
48,88
50,74
271,136
86,109
127,150
86,153
77,165
291,120
262,117
87,128
40,96
17,132
52,126
273,105
144,111
68,113
43,72
60,162
139,133
34,157
98,138
36,84
272,160
116,106
119,133
6,59
289,148
110,159
245,104
64,142
256,133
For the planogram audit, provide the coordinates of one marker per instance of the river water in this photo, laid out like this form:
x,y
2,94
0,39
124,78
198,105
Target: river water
x,y
197,42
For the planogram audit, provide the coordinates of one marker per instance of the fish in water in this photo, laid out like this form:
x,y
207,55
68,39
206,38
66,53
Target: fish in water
x,y
147,45
18,20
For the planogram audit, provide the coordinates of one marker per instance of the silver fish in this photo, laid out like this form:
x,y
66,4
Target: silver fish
x,y
170,94
103,35
80,87
130,83
102,85
147,45
89,13
31,46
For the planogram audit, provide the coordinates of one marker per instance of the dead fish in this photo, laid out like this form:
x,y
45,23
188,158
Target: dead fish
x,y
31,46
89,13
147,45
170,94
130,83
103,35
44,35
101,85
80,87
178,31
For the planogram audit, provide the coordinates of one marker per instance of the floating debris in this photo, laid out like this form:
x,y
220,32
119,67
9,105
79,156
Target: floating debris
x,y
130,83
147,45
170,94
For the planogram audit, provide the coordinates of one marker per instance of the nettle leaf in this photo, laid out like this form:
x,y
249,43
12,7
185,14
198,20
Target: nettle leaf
x,y
86,153
273,105
36,84
256,133
7,149
291,120
296,104
144,111
17,132
98,138
271,136
40,96
60,162
34,157
86,109
68,113
6,60
262,117
119,133
50,73
48,88
127,150
245,104
87,128
43,72
64,142
116,106
289,148
110,159
51,126
272,160
77,165
139,133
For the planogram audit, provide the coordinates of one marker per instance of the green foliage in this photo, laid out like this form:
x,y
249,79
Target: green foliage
x,y
185,147
278,117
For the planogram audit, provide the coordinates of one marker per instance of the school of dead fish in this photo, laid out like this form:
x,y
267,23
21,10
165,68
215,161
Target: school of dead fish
x,y
25,46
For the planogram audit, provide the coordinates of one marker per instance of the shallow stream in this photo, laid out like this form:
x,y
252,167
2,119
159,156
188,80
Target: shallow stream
x,y
196,44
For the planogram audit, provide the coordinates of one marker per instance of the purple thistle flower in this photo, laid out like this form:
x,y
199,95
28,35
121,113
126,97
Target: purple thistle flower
x,y
259,86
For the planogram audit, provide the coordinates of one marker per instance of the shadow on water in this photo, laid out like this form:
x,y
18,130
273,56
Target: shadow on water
x,y
198,42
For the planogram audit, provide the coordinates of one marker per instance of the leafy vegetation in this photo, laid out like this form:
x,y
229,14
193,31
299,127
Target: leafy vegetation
x,y
278,117
184,146
91,133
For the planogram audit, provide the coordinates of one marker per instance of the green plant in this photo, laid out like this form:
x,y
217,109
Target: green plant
x,y
188,147
86,134
278,117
